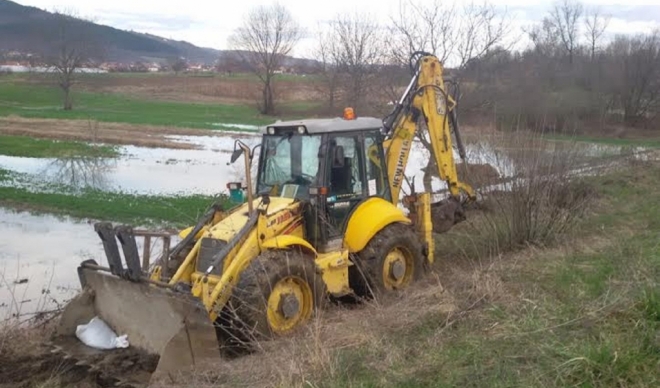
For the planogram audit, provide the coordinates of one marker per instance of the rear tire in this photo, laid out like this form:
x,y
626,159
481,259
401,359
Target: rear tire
x,y
391,261
276,294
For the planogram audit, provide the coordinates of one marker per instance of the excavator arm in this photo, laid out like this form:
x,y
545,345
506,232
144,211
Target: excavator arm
x,y
427,99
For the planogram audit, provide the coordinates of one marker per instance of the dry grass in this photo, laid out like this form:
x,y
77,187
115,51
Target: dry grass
x,y
539,197
312,354
16,341
111,133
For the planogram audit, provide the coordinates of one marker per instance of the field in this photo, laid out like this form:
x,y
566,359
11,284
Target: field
x,y
184,101
41,148
548,283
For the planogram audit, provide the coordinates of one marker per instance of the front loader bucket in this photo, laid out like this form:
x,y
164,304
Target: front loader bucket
x,y
171,328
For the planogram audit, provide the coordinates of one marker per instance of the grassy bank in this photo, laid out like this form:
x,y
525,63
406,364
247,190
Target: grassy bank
x,y
584,312
41,148
34,101
165,211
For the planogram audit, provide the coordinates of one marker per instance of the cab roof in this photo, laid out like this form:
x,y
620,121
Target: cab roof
x,y
338,124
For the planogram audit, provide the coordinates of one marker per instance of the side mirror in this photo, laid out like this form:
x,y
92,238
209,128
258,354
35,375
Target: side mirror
x,y
236,154
338,157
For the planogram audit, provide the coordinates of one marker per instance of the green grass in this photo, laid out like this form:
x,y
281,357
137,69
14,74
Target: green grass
x,y
44,102
166,211
4,174
42,148
588,318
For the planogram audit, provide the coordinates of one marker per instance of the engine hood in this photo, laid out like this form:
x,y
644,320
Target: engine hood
x,y
229,226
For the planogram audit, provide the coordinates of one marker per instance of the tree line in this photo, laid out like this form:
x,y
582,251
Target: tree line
x,y
570,75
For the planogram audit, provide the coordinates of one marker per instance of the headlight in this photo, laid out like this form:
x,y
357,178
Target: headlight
x,y
301,130
271,130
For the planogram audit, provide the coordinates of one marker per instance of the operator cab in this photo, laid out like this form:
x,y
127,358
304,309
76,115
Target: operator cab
x,y
331,164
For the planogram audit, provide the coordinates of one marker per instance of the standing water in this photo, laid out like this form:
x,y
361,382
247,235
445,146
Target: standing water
x,y
39,256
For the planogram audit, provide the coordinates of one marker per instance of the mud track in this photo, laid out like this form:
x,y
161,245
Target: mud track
x,y
110,133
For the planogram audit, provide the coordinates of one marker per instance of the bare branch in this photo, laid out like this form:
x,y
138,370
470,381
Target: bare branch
x,y
423,26
480,31
565,17
635,74
595,25
355,50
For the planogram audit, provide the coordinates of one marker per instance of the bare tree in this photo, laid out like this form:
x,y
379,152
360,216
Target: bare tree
x,y
351,49
328,68
178,64
267,35
634,75
544,38
595,25
358,50
565,17
72,45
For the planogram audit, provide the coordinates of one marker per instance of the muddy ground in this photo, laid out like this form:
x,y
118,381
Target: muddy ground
x,y
337,326
110,133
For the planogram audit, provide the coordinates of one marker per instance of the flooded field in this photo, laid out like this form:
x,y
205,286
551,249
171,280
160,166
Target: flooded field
x,y
38,255
141,170
38,260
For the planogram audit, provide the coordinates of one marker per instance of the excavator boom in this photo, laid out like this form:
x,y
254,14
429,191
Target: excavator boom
x,y
425,99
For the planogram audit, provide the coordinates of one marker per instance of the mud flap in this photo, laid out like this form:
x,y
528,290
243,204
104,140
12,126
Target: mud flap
x,y
174,326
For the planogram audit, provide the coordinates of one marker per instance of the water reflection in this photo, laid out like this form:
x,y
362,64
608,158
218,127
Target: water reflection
x,y
81,171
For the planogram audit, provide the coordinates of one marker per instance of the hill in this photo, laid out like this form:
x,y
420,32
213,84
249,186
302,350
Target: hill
x,y
29,30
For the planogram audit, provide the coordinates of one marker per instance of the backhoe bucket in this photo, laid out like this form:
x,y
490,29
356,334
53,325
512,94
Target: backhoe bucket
x,y
169,328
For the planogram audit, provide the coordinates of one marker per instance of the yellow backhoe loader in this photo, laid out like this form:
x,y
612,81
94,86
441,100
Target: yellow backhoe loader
x,y
325,220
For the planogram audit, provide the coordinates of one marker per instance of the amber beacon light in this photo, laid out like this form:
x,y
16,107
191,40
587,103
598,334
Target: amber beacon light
x,y
349,113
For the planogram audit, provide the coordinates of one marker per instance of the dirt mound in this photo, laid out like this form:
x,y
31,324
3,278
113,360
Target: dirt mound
x,y
49,366
476,174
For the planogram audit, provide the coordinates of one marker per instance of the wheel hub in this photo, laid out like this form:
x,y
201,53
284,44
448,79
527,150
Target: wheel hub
x,y
398,270
289,305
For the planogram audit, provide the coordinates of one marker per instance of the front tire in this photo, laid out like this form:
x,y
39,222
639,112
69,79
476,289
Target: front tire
x,y
276,294
391,261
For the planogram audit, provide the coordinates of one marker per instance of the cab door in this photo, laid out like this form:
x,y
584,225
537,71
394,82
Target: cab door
x,y
346,180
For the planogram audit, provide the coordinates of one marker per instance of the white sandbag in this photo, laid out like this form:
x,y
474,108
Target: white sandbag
x,y
97,334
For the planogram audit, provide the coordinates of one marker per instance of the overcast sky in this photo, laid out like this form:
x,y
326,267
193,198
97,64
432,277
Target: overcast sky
x,y
208,23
